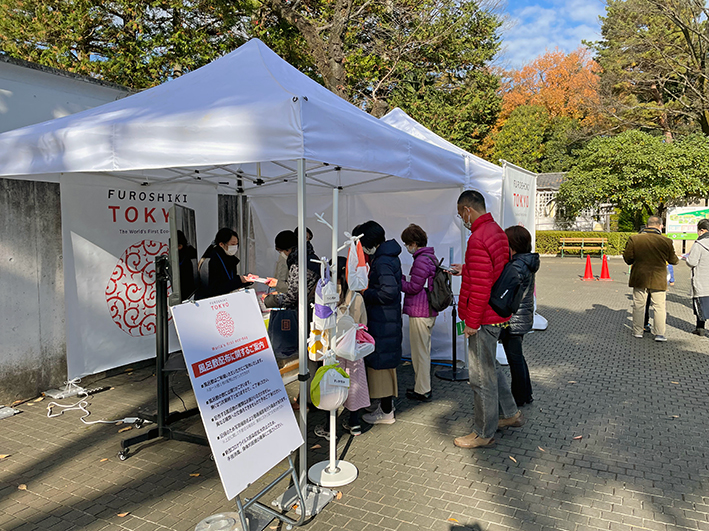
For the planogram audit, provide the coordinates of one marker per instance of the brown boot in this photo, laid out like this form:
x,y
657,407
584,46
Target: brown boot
x,y
473,441
515,421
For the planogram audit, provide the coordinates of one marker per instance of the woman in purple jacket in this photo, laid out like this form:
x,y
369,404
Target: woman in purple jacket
x,y
421,316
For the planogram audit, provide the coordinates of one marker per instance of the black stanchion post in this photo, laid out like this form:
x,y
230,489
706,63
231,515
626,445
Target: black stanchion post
x,y
454,374
162,417
161,339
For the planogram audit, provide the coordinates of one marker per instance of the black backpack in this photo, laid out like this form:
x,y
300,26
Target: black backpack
x,y
506,293
440,292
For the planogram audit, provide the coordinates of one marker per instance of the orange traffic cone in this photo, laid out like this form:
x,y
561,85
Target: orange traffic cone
x,y
605,275
588,274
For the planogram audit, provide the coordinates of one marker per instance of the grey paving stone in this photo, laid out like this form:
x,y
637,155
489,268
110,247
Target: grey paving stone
x,y
641,462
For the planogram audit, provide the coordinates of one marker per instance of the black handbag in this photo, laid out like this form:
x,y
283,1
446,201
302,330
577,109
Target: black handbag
x,y
283,332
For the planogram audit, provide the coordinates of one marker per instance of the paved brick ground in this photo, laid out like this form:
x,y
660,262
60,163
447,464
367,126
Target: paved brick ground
x,y
639,407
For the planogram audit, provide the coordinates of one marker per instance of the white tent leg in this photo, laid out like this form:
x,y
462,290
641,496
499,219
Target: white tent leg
x,y
316,498
303,321
335,229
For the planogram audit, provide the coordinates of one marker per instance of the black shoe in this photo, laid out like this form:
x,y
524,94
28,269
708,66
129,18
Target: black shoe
x,y
413,395
698,331
646,328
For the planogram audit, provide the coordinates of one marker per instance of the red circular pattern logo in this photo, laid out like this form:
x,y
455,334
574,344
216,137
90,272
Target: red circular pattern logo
x,y
225,324
130,292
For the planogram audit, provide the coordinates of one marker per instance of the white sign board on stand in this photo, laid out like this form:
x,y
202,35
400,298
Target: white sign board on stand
x,y
243,403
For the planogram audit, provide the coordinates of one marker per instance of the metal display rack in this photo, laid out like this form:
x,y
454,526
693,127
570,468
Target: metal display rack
x,y
165,364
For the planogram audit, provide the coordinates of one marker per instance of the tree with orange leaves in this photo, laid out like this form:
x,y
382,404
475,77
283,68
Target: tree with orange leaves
x,y
546,107
566,85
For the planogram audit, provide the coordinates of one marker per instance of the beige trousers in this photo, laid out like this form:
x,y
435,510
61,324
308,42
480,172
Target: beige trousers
x,y
420,338
657,299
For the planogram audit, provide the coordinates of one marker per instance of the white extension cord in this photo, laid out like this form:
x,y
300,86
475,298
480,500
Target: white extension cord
x,y
83,404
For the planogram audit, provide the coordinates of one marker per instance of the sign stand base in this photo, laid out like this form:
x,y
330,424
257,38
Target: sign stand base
x,y
316,498
345,473
333,473
255,520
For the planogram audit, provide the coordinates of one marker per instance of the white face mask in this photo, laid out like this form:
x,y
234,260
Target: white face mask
x,y
467,224
411,249
231,250
369,250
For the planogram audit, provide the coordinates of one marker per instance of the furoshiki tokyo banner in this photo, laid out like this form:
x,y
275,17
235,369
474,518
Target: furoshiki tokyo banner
x,y
243,403
112,231
519,191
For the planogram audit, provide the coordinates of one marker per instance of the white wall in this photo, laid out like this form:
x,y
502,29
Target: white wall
x,y
33,353
32,95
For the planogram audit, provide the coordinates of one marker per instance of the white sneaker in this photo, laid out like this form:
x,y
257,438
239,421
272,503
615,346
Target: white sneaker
x,y
379,417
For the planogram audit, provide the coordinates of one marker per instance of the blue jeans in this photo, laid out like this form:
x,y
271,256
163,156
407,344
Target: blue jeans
x,y
492,397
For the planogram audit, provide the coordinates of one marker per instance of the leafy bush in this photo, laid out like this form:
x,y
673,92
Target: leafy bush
x,y
548,240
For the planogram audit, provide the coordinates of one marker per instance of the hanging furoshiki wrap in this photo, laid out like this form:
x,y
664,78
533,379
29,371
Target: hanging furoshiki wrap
x,y
326,298
329,387
315,345
357,269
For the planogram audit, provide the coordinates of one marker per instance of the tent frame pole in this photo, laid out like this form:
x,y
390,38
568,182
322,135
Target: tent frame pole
x,y
316,498
303,376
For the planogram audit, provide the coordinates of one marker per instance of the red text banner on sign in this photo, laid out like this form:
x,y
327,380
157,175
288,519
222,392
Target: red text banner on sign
x,y
230,356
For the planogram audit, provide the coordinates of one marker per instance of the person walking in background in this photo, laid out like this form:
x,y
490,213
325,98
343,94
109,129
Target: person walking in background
x,y
485,257
382,299
648,254
698,260
416,306
648,301
527,264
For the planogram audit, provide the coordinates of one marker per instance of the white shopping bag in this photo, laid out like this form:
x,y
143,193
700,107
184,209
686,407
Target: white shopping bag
x,y
357,269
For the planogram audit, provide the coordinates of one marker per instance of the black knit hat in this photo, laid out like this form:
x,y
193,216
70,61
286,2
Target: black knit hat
x,y
286,240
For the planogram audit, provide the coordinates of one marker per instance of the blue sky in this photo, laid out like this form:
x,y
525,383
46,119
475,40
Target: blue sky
x,y
533,26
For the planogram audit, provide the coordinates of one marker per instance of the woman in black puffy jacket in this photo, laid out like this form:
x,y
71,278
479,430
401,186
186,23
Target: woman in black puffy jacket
x,y
527,264
382,298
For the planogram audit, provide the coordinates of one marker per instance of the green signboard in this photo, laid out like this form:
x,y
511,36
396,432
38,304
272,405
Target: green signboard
x,y
682,222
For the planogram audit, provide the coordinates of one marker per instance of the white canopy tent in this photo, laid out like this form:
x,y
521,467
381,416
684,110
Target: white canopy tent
x,y
242,122
247,123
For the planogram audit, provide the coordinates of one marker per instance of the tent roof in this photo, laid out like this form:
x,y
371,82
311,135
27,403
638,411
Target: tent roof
x,y
241,121
402,121
480,174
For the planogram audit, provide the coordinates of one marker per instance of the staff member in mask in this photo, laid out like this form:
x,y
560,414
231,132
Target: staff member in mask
x,y
223,276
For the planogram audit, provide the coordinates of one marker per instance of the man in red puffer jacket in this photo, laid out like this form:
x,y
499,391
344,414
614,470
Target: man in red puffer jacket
x,y
486,256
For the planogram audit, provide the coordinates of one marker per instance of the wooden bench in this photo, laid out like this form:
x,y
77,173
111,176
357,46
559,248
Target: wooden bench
x,y
583,244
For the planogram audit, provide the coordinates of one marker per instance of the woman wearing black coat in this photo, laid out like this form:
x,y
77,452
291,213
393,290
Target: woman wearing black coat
x,y
223,276
527,264
382,298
